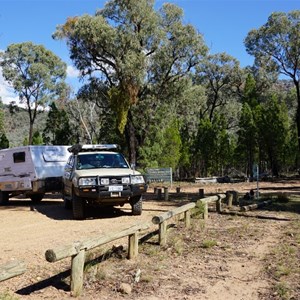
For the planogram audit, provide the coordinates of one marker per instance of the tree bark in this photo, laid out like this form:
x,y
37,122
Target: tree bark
x,y
131,140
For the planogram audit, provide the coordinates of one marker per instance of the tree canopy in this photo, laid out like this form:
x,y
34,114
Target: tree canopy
x,y
276,46
135,50
36,74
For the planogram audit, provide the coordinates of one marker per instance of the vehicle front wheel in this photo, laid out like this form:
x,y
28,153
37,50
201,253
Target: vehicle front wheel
x,y
136,205
78,206
4,199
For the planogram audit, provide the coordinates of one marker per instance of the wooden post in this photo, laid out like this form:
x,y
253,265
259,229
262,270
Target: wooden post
x,y
178,190
235,199
219,205
187,218
205,213
166,193
201,193
133,245
77,266
155,190
163,233
159,193
229,198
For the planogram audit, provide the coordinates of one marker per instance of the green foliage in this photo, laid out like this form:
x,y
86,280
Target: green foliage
x,y
221,75
276,46
247,149
57,130
171,149
120,102
213,146
274,134
208,244
140,53
37,139
25,141
4,142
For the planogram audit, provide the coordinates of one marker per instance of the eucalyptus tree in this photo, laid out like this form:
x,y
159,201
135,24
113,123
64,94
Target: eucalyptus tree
x,y
276,46
247,145
274,132
36,74
141,54
221,75
58,130
98,117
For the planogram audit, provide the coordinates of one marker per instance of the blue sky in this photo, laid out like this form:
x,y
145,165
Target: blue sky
x,y
223,23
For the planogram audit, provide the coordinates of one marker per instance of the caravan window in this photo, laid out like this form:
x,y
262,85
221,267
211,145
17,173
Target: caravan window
x,y
19,157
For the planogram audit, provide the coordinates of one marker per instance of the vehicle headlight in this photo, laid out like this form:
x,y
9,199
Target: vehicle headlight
x,y
87,181
104,181
125,180
137,179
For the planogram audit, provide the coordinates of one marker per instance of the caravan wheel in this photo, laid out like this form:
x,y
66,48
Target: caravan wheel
x,y
4,198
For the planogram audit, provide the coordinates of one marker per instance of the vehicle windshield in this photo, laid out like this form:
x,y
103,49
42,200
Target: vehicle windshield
x,y
100,160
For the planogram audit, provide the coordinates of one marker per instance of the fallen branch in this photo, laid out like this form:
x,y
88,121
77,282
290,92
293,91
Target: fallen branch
x,y
256,205
242,214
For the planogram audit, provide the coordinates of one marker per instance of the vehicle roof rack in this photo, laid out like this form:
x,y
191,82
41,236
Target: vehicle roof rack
x,y
95,147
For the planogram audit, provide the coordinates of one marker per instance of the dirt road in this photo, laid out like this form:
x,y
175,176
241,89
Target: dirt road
x,y
27,231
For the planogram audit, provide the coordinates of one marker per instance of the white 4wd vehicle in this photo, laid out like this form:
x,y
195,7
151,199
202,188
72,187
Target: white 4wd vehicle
x,y
96,175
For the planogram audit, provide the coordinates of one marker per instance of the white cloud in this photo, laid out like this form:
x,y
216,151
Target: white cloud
x,y
6,91
72,72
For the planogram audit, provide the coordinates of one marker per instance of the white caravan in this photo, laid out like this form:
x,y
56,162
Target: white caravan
x,y
32,171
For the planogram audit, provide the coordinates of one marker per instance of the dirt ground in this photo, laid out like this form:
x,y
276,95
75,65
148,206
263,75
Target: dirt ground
x,y
221,259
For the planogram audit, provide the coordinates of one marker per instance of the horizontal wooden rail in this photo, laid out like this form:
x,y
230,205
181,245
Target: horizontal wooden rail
x,y
162,219
77,252
12,269
171,213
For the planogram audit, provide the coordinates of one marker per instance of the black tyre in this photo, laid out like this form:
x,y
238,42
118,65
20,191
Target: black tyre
x,y
4,199
78,207
36,198
67,204
136,205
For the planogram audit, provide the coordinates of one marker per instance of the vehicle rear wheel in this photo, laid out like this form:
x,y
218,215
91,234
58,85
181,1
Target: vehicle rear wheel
x,y
36,198
78,206
4,199
136,205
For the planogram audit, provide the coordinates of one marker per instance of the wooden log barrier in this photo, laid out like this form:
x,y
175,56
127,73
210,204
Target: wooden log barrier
x,y
205,201
162,219
255,205
53,255
77,252
12,269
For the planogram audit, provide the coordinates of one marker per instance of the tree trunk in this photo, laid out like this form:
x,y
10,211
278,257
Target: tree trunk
x,y
30,133
131,140
298,111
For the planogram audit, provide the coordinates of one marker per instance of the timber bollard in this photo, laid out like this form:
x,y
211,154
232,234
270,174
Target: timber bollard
x,y
229,198
219,205
166,193
201,193
155,190
159,193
